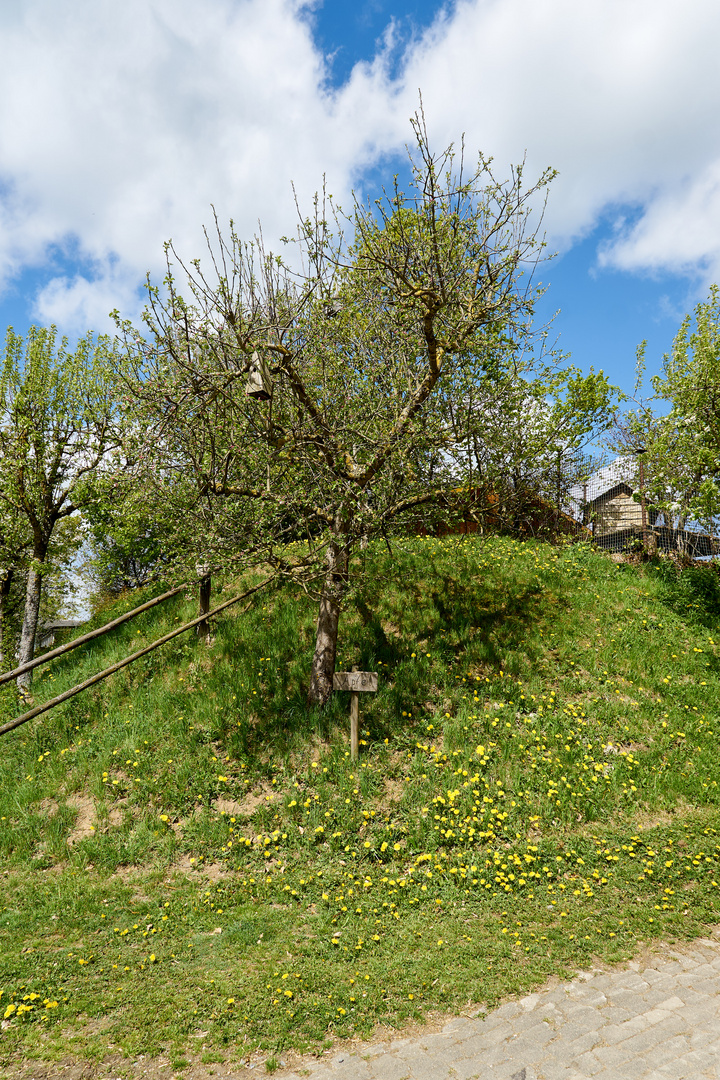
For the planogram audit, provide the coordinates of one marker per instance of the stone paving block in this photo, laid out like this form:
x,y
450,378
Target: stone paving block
x,y
676,1070
571,1031
430,1070
706,986
617,1033
613,1056
415,1063
442,1057
610,1074
547,1011
652,974
492,1020
434,1042
510,1009
560,1072
690,996
524,1048
670,1050
374,1050
655,997
673,1002
459,1026
603,980
675,1025
592,997
572,1048
616,1014
467,1068
388,1067
645,1041
478,1043
631,980
657,1016
540,1032
635,1069
586,1016
706,1013
556,996
665,985
587,1063
705,971
697,1061
705,1038
350,1069
530,1001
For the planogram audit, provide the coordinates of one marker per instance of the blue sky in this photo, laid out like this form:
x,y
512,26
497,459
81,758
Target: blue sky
x,y
121,124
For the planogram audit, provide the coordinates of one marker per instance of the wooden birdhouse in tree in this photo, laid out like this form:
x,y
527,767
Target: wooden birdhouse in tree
x,y
259,384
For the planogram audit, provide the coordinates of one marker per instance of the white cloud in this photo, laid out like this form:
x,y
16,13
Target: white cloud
x,y
679,230
619,95
121,123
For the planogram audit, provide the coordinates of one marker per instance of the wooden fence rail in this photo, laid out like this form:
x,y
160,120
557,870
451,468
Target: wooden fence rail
x,y
46,706
61,649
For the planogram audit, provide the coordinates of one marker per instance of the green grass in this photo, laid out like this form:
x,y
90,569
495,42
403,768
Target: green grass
x,y
537,788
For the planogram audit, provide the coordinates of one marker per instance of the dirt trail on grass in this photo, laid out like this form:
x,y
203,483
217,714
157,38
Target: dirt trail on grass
x,y
655,1018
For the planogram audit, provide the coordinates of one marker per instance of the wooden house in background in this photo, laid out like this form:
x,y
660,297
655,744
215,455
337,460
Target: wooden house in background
x,y
614,511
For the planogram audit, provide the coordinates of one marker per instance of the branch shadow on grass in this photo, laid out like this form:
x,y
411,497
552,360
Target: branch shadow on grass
x,y
464,624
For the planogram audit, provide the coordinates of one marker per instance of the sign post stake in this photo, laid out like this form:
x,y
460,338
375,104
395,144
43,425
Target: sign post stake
x,y
354,724
356,682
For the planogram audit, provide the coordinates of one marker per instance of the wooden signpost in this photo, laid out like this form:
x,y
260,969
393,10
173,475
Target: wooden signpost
x,y
356,682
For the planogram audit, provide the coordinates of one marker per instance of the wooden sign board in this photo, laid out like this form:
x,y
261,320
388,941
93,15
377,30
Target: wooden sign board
x,y
356,681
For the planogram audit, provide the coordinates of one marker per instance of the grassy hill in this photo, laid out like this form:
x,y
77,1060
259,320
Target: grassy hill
x,y
191,864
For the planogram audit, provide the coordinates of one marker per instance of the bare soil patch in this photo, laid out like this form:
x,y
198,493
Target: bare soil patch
x,y
85,820
246,806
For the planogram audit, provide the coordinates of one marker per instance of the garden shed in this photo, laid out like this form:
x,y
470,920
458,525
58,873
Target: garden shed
x,y
614,511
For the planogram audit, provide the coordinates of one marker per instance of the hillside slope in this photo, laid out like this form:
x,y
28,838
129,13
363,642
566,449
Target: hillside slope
x,y
187,850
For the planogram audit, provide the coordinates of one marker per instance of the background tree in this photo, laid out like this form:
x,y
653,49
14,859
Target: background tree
x,y
685,444
56,412
680,448
370,365
15,543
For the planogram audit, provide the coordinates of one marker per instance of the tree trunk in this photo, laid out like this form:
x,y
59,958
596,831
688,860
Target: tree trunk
x,y
334,587
203,628
33,594
5,586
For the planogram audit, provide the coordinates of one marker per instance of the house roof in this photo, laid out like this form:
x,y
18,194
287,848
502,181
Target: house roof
x,y
620,473
611,493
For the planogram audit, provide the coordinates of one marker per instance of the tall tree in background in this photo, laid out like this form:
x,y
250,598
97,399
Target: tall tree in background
x,y
15,546
680,449
329,400
56,411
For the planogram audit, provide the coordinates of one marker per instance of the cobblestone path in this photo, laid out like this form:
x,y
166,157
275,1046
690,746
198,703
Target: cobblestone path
x,y
658,1020
651,1019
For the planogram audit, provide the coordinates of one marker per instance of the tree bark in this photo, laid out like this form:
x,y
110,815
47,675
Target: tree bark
x,y
203,628
334,588
5,586
33,594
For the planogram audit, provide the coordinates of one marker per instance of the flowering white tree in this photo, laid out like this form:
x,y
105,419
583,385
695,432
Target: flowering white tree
x,y
56,412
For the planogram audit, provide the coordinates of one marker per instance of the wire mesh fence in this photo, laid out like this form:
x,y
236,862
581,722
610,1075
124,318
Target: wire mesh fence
x,y
615,516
